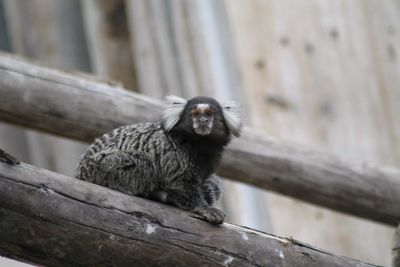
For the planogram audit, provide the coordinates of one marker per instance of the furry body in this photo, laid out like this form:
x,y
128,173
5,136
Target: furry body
x,y
170,163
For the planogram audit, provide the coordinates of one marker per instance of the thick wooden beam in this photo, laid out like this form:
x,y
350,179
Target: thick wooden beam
x,y
47,218
82,108
77,106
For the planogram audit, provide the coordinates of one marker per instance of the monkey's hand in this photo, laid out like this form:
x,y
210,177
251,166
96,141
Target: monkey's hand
x,y
212,215
188,196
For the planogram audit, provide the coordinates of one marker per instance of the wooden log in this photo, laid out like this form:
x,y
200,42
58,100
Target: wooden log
x,y
396,248
47,218
81,108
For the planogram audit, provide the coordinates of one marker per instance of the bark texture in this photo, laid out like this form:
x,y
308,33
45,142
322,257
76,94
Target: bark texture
x,y
47,218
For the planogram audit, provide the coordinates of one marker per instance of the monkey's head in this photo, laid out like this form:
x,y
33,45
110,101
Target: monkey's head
x,y
202,116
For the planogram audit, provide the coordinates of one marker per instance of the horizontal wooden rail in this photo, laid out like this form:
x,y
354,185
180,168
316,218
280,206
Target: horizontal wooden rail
x,y
80,107
47,218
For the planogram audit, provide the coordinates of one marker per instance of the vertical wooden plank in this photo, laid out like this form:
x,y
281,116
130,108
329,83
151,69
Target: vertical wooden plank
x,y
109,40
4,42
324,73
396,248
57,34
149,76
162,48
383,32
190,82
52,33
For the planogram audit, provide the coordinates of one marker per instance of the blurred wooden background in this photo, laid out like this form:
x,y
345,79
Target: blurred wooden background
x,y
323,73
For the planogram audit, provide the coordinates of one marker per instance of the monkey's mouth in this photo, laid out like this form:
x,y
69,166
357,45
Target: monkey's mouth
x,y
202,130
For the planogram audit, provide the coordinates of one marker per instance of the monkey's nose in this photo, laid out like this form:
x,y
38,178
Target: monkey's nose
x,y
203,120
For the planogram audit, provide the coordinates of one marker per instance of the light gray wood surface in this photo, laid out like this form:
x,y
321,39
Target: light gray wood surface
x,y
396,248
82,108
324,74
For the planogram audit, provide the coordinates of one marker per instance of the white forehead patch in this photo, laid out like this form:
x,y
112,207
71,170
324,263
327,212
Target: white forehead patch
x,y
202,107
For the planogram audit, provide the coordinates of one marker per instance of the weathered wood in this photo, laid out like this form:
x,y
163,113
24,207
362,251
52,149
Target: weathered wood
x,y
358,189
324,74
109,40
81,108
4,42
112,106
51,32
396,248
47,218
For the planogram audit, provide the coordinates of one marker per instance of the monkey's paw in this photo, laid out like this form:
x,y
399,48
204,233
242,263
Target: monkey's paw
x,y
212,215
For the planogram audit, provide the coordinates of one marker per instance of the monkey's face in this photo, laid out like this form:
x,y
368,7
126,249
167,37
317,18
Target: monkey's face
x,y
203,118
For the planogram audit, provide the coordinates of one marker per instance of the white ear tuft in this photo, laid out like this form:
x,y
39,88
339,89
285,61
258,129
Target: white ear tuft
x,y
231,112
172,112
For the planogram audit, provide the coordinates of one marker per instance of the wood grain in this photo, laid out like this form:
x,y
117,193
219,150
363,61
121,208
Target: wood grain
x,y
109,40
47,218
324,74
396,248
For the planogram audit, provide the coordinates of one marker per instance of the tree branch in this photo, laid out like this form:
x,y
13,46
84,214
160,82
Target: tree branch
x,y
82,108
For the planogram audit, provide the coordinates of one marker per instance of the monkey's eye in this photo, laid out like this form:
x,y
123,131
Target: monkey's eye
x,y
209,112
195,113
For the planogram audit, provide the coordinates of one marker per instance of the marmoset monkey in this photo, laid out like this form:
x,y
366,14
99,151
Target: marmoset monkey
x,y
172,161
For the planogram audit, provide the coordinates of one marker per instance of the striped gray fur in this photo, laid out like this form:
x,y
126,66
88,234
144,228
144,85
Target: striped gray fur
x,y
123,159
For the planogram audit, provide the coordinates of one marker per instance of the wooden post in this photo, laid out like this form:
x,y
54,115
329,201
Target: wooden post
x,y
50,219
81,108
